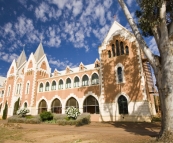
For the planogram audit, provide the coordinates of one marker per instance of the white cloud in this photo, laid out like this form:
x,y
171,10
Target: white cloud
x,y
8,30
100,14
59,3
40,12
77,7
61,64
107,3
8,57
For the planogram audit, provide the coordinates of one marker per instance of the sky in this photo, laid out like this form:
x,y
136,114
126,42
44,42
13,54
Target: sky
x,y
70,30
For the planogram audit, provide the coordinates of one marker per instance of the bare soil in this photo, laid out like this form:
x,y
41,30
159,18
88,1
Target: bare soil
x,y
110,132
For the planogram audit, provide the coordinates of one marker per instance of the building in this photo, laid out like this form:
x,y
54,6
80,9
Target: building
x,y
118,87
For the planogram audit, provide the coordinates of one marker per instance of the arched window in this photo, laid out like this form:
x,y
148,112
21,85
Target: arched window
x,y
25,105
76,82
54,85
122,104
2,93
117,48
91,105
42,106
95,79
47,86
41,87
20,88
72,102
56,106
113,50
120,75
127,50
109,54
85,80
68,83
60,86
122,48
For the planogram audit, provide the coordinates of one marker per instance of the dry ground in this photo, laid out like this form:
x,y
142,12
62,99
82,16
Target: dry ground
x,y
113,132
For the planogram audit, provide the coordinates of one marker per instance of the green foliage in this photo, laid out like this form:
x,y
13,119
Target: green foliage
x,y
149,14
72,112
46,116
29,119
5,111
16,106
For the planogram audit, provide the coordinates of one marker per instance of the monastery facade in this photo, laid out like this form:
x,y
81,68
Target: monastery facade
x,y
117,87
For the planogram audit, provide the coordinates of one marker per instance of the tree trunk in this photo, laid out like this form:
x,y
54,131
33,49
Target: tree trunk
x,y
163,70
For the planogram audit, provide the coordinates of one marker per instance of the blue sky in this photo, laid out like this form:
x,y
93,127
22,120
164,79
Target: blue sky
x,y
71,30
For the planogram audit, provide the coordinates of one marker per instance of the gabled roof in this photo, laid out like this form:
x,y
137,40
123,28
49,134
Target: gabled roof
x,y
21,59
117,29
39,53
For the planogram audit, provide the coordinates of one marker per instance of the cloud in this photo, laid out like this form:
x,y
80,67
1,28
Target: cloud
x,y
59,3
77,7
107,3
100,14
8,57
8,30
61,65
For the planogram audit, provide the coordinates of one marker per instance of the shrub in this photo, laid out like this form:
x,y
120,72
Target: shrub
x,y
5,111
16,106
46,116
22,112
19,119
72,112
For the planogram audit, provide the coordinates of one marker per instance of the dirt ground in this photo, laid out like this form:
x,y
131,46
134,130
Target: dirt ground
x,y
112,132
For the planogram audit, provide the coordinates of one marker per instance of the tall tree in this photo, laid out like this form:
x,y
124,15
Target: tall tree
x,y
156,19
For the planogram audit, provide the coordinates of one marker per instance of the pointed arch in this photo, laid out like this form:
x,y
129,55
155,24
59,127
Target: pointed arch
x,y
76,81
122,48
117,48
60,84
47,86
113,50
109,54
56,106
72,102
41,87
53,87
127,50
68,83
85,80
42,106
95,79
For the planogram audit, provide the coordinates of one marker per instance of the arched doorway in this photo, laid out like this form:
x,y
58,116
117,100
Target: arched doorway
x,y
56,106
72,102
122,104
42,106
91,105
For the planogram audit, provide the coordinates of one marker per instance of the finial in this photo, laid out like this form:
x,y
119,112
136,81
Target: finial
x,y
23,47
114,17
41,38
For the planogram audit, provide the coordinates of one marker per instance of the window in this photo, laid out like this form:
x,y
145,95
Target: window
x,y
19,88
60,84
122,104
9,88
53,85
127,50
85,80
72,102
91,105
68,83
27,88
117,48
76,82
120,75
25,105
113,50
109,54
56,106
122,48
41,87
95,79
47,86
42,106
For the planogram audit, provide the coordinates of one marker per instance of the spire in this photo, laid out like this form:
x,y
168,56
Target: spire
x,y
39,52
21,59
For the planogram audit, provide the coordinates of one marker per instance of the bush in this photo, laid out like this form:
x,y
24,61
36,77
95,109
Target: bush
x,y
5,111
19,119
81,119
72,112
46,116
